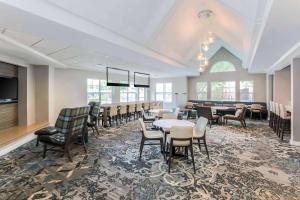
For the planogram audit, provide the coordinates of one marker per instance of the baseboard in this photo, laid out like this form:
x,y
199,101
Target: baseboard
x,y
17,143
295,143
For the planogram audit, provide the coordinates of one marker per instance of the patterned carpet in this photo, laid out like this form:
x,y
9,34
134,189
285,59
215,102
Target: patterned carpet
x,y
244,164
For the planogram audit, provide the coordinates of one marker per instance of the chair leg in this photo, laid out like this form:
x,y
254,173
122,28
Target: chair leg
x,y
84,144
161,145
170,156
141,147
192,155
210,122
45,150
68,153
199,144
205,145
37,141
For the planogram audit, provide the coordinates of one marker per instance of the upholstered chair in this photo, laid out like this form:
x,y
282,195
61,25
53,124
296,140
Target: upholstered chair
x,y
205,111
131,111
147,118
276,117
271,115
239,106
284,121
139,108
200,133
181,137
170,115
240,115
113,115
149,136
123,113
255,108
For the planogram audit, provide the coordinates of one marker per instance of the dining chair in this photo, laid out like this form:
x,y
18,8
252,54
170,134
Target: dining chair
x,y
205,111
147,118
199,133
271,109
255,108
182,137
169,115
139,108
239,106
277,117
150,136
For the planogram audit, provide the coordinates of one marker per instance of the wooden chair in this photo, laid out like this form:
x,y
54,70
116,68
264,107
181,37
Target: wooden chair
x,y
255,108
94,116
240,115
205,111
200,133
271,109
147,118
150,136
182,137
139,108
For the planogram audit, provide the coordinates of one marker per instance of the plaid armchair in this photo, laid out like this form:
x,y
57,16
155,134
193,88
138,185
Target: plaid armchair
x,y
70,125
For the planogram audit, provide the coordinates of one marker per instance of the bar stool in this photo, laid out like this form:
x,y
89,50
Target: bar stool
x,y
284,122
113,115
131,111
123,113
271,122
276,118
139,108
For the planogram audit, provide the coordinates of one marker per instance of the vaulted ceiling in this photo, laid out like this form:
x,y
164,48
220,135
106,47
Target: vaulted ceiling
x,y
159,37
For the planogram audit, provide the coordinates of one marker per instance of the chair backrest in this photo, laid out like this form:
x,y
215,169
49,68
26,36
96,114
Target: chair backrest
x,y
146,106
144,131
181,132
64,121
204,111
139,107
271,106
239,105
277,111
255,106
200,127
113,111
123,109
189,105
131,108
241,113
283,111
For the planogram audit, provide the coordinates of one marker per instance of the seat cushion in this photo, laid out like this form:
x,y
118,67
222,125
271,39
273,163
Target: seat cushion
x,y
58,138
230,117
46,131
215,116
154,134
177,143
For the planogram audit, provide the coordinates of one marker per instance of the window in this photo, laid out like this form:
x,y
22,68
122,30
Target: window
x,y
163,92
128,94
93,90
223,91
222,66
246,91
105,93
201,89
141,94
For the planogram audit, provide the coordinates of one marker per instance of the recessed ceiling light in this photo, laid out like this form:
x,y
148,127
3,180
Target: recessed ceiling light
x,y
205,14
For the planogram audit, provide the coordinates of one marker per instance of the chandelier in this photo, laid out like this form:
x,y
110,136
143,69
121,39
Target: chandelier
x,y
204,47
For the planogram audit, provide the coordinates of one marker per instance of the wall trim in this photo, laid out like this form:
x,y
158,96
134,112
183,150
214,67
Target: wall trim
x,y
17,143
294,143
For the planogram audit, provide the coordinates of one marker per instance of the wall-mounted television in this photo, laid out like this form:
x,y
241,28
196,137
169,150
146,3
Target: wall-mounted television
x,y
141,80
117,77
8,89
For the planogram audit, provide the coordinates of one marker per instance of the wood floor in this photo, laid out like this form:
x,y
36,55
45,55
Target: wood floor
x,y
9,135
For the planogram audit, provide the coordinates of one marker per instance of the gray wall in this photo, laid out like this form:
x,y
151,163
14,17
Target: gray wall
x,y
240,74
282,86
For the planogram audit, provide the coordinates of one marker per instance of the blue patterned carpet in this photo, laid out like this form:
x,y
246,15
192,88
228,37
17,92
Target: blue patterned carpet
x,y
245,164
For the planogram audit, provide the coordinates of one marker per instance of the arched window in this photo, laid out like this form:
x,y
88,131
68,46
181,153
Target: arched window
x,y
222,66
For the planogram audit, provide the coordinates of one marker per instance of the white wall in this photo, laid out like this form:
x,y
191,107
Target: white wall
x,y
240,74
179,86
70,88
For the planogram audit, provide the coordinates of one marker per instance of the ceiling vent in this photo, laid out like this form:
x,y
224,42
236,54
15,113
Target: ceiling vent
x,y
205,14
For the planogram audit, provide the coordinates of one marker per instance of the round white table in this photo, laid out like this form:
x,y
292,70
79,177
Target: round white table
x,y
156,111
168,123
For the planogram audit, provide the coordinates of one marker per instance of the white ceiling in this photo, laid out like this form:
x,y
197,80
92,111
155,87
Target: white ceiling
x,y
153,36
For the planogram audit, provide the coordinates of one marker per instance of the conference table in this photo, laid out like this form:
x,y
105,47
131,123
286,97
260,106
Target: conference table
x,y
167,124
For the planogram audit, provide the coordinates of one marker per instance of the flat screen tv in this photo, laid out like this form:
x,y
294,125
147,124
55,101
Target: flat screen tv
x,y
8,89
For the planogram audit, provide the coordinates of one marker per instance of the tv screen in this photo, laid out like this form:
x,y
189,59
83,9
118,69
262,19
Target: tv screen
x,y
8,89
